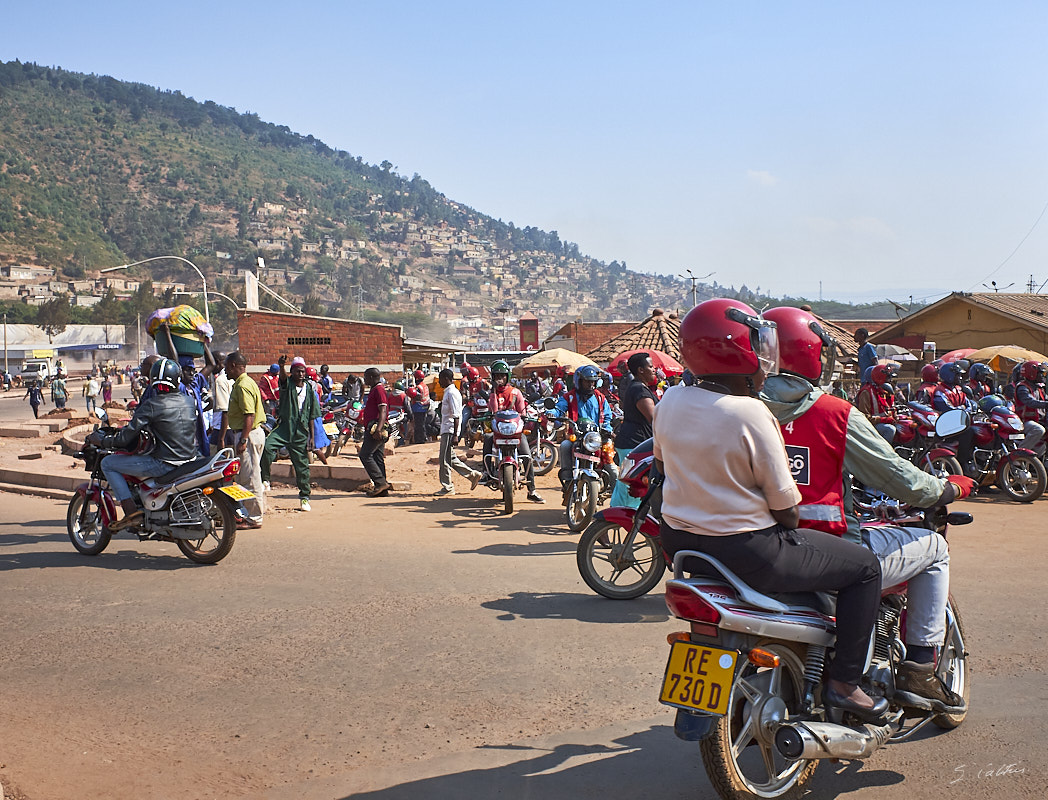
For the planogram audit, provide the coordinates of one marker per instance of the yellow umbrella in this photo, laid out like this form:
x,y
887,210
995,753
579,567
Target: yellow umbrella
x,y
996,355
551,359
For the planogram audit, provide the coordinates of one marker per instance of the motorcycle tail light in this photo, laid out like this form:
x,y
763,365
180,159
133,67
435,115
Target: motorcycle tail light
x,y
686,604
232,468
763,658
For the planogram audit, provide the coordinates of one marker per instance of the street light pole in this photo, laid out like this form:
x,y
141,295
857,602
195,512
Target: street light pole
x,y
207,314
694,280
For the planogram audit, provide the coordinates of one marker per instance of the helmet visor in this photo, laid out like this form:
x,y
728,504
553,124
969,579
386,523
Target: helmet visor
x,y
764,339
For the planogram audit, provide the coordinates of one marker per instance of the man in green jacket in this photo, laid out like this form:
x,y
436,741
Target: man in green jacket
x,y
298,408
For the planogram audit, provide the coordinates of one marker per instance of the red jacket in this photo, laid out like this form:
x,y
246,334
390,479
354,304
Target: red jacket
x,y
269,387
509,397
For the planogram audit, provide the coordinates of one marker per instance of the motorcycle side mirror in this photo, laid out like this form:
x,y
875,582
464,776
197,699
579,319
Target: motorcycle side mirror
x,y
952,422
550,403
101,414
958,518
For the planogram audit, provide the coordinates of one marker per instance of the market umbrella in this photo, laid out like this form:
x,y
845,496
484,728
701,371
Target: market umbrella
x,y
894,352
957,355
1003,357
660,360
551,359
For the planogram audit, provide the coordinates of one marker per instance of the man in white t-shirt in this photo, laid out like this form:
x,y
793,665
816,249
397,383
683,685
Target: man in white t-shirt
x,y
92,389
450,419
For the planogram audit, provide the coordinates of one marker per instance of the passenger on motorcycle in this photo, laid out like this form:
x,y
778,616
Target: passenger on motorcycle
x,y
728,490
503,398
584,401
980,382
1030,402
929,383
876,399
471,385
949,394
171,417
828,442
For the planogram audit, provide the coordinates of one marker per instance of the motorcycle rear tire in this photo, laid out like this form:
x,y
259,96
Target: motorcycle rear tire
x,y
507,487
647,561
1025,494
75,525
947,464
582,504
958,677
225,527
544,456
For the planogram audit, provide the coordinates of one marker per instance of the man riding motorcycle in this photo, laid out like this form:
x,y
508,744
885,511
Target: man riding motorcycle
x,y
828,443
171,417
505,397
585,400
876,399
1030,402
949,394
929,383
980,382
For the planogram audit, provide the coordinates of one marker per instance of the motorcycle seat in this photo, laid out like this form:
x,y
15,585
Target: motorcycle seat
x,y
179,472
823,602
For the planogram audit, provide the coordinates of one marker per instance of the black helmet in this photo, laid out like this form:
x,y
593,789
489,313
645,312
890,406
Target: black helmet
x,y
165,372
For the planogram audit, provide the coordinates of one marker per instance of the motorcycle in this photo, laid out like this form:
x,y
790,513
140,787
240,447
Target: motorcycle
x,y
620,554
1018,472
480,420
348,426
917,440
505,469
542,428
746,678
593,472
194,506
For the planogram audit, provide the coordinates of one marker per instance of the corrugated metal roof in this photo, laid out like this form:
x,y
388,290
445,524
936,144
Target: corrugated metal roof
x,y
660,331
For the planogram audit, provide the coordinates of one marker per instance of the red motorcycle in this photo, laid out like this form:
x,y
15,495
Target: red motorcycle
x,y
1017,471
505,468
916,440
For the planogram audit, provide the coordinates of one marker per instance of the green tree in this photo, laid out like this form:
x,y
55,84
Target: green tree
x,y
53,317
108,310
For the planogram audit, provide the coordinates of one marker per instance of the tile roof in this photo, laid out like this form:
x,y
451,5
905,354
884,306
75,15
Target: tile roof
x,y
660,331
1031,308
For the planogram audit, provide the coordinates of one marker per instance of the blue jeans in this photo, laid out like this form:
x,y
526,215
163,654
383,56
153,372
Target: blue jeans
x,y
90,405
116,466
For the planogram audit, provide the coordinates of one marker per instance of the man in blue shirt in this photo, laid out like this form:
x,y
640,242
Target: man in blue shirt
x,y
584,401
867,353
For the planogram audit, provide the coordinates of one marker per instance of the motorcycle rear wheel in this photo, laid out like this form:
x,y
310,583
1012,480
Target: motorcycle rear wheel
x,y
84,525
613,573
214,546
544,457
582,504
739,771
1023,479
942,465
507,487
953,665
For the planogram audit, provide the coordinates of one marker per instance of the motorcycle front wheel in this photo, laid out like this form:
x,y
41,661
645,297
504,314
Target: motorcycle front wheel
x,y
953,665
507,487
1023,479
544,457
216,543
84,524
610,571
942,466
582,504
740,755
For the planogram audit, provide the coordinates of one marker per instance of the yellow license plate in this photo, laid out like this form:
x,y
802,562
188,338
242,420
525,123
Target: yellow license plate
x,y
331,429
236,491
698,677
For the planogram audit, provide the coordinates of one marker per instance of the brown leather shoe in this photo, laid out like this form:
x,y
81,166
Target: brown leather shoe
x,y
915,682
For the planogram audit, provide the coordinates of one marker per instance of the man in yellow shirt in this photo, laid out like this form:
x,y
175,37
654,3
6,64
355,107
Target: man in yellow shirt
x,y
245,417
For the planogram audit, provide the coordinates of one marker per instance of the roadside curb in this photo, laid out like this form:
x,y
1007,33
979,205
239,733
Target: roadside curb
x,y
35,491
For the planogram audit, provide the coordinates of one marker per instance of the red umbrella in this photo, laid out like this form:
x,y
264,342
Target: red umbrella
x,y
667,363
957,355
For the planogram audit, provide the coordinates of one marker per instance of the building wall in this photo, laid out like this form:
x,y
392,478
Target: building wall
x,y
343,345
961,324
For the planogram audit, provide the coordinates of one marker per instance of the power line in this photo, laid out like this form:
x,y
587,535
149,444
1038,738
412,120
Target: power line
x,y
1016,250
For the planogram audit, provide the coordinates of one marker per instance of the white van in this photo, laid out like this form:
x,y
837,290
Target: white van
x,y
37,369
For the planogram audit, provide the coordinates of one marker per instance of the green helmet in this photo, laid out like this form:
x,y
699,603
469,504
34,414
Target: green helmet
x,y
399,386
500,367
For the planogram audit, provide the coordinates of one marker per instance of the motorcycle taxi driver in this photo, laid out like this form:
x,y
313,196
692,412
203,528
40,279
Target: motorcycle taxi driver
x,y
505,397
171,417
584,400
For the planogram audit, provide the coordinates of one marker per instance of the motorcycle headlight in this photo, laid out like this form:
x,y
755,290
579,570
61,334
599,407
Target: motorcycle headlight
x,y
507,428
591,441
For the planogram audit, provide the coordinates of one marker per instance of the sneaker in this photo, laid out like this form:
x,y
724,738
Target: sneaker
x,y
535,497
443,492
253,524
474,480
304,505
379,490
266,486
918,682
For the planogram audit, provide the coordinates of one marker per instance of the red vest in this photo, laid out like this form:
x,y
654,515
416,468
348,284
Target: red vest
x,y
815,444
1027,413
954,395
926,393
573,407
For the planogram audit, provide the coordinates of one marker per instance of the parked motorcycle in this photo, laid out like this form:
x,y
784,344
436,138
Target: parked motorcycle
x,y
194,506
746,678
505,469
593,472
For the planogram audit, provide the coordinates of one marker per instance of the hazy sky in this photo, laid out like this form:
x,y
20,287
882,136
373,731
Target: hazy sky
x,y
879,149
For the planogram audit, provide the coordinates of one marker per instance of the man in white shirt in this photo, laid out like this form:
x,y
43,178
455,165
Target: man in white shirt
x,y
92,389
450,419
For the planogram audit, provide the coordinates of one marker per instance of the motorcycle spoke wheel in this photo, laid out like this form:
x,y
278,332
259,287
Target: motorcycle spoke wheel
x,y
545,457
942,466
740,755
582,504
613,573
84,525
1023,479
217,541
953,665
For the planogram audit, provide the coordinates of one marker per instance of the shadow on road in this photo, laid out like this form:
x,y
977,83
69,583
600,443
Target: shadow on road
x,y
465,510
649,763
118,560
534,549
581,607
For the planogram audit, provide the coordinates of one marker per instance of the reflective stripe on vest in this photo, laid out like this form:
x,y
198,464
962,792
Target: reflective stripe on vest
x,y
1025,412
815,444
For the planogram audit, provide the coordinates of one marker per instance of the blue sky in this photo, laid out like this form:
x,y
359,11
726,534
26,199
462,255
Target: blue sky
x,y
883,149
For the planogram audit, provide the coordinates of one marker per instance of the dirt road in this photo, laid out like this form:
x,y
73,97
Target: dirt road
x,y
414,647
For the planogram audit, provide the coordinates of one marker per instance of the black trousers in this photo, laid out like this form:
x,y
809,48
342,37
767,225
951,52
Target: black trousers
x,y
419,427
373,458
781,560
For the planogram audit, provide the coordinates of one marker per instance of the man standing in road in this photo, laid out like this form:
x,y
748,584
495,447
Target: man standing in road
x,y
244,417
373,418
450,418
92,389
298,408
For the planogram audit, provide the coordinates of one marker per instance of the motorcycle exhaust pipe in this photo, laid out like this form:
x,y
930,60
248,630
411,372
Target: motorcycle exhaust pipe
x,y
816,740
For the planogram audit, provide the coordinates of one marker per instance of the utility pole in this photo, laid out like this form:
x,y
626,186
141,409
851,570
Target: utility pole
x,y
1030,284
5,343
694,280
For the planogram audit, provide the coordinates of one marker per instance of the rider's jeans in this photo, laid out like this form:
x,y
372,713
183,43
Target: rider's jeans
x,y
1034,433
922,558
116,466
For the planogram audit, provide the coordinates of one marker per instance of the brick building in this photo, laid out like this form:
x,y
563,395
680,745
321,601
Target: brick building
x,y
344,345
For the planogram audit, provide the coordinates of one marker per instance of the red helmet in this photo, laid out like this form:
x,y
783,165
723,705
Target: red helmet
x,y
472,373
930,373
882,373
805,349
1032,371
727,337
419,376
464,367
312,374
